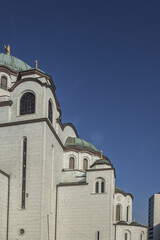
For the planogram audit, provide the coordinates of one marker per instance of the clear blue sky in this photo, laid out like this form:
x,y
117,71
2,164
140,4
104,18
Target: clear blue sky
x,y
104,58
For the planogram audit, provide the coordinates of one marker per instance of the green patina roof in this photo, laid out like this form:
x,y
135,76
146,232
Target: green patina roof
x,y
130,224
13,63
101,161
79,143
119,190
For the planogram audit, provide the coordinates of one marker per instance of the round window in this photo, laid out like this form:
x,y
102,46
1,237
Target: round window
x,y
21,231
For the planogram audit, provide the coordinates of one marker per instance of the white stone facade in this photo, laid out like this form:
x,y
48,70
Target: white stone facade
x,y
53,194
4,195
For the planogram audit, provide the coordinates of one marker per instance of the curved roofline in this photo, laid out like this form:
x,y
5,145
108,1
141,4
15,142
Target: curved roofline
x,y
19,74
94,164
126,194
84,150
79,143
63,125
13,63
134,224
8,70
120,191
77,149
17,83
72,126
34,71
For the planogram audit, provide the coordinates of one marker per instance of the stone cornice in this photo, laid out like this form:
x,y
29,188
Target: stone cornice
x,y
34,121
71,184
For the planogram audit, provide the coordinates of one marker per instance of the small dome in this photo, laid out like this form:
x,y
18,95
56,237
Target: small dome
x,y
13,63
101,161
79,143
122,223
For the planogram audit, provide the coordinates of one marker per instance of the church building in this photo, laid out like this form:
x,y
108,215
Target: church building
x,y
53,184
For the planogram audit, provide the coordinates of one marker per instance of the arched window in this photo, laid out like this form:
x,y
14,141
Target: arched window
x,y
142,236
97,187
50,111
71,163
27,103
125,236
3,83
85,164
118,212
100,185
127,214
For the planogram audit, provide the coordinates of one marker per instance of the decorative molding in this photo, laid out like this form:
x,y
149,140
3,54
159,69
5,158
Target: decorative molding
x,y
71,184
8,70
34,121
6,103
35,71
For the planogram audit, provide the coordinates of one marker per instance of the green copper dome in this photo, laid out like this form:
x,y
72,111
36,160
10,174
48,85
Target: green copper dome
x,y
79,143
13,63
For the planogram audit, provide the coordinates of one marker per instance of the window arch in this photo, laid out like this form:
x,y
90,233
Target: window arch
x,y
142,236
127,235
127,214
71,163
85,164
50,111
27,103
118,212
3,83
100,185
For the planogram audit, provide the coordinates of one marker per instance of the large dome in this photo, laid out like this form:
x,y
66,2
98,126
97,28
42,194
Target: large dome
x,y
79,143
13,63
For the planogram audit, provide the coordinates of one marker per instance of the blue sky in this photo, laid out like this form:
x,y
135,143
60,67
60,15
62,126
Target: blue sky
x,y
104,58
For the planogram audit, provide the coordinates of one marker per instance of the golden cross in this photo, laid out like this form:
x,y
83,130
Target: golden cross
x,y
36,62
101,154
7,49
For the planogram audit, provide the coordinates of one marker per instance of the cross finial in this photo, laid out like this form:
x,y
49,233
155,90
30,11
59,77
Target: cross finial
x,y
7,49
101,154
36,62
